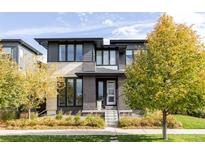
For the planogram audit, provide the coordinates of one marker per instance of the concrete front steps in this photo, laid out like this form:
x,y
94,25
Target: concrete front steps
x,y
111,118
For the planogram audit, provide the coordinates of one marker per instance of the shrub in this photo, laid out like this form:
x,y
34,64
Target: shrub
x,y
69,120
77,120
8,115
34,115
90,121
151,120
94,121
59,115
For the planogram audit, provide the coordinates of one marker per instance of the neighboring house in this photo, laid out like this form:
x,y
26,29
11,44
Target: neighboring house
x,y
24,54
92,71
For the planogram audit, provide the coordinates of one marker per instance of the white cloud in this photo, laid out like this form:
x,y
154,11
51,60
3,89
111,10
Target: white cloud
x,y
108,23
132,31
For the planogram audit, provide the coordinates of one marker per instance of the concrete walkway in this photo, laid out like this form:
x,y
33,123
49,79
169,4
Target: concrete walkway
x,y
106,131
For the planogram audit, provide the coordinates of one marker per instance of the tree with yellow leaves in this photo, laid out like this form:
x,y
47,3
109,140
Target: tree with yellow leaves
x,y
170,75
38,84
12,92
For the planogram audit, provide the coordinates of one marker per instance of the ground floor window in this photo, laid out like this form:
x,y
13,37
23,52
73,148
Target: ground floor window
x,y
71,94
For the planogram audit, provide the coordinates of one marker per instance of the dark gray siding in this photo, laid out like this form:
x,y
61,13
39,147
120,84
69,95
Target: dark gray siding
x,y
52,55
89,93
121,96
136,46
88,51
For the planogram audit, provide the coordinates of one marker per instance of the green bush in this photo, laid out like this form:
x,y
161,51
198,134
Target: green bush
x,y
69,120
8,115
59,115
151,120
77,120
94,121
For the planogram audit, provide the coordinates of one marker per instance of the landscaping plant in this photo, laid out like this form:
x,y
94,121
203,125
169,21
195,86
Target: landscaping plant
x,y
170,75
151,120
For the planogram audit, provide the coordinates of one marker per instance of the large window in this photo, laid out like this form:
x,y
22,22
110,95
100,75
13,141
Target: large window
x,y
129,56
79,52
112,57
71,52
99,57
71,94
12,51
106,57
62,53
78,91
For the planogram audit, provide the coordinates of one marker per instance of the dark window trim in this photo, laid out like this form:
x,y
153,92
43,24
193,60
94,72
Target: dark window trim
x,y
66,50
65,93
102,51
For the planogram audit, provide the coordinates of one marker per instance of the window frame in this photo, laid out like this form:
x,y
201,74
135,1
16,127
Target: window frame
x,y
66,52
102,57
65,93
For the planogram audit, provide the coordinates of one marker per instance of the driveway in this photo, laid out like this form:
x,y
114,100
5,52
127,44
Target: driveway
x,y
106,131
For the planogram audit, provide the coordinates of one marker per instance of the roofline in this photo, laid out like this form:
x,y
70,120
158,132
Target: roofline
x,y
43,41
128,41
69,38
23,43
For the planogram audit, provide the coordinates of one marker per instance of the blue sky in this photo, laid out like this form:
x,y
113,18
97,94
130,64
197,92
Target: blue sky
x,y
107,25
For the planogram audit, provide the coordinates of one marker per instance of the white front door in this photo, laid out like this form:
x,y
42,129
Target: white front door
x,y
111,100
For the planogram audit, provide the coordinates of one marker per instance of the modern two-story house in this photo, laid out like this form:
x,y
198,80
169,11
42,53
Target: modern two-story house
x,y
23,53
92,71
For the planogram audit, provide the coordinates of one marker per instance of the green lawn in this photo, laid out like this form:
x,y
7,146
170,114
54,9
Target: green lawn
x,y
121,138
54,138
190,122
158,138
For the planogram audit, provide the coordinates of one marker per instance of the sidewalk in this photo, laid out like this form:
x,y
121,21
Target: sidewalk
x,y
106,131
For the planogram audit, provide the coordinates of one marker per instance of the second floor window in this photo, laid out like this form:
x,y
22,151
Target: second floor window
x,y
106,57
71,52
129,57
79,52
62,53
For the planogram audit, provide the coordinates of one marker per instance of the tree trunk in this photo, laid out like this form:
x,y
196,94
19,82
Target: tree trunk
x,y
29,113
164,125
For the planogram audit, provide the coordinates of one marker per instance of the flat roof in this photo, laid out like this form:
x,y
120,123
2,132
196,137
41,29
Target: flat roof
x,y
23,43
44,41
125,41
